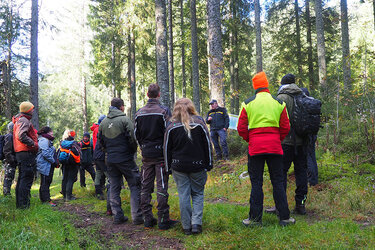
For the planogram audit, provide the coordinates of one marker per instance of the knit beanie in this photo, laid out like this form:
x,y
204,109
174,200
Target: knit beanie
x,y
72,133
288,79
260,80
86,134
26,107
101,118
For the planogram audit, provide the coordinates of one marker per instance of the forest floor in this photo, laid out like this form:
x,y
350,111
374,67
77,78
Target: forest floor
x,y
340,214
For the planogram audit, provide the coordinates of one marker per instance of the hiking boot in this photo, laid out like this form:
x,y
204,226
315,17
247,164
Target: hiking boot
x,y
138,221
300,209
287,222
100,197
150,223
196,229
251,223
188,231
109,213
271,210
120,220
167,224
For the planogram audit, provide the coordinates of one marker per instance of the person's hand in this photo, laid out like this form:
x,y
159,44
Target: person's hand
x,y
225,129
209,118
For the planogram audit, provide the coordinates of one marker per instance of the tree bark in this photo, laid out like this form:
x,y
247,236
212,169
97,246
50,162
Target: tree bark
x,y
321,48
183,49
133,96
83,77
7,73
162,51
113,65
194,55
84,103
345,45
373,6
234,59
309,48
34,63
259,57
215,52
171,64
298,43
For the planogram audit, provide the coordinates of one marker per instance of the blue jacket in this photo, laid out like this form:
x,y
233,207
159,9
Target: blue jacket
x,y
45,156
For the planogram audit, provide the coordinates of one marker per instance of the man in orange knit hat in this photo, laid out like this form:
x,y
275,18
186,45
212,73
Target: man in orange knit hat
x,y
25,142
264,123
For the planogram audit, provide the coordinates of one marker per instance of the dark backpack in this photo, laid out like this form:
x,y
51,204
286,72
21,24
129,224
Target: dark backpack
x,y
306,115
66,155
2,141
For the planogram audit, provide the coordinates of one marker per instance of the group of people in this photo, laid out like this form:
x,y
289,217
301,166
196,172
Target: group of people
x,y
177,143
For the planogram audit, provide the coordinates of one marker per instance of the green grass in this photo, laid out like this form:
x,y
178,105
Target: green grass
x,y
341,213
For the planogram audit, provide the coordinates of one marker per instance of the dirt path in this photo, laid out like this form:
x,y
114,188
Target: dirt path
x,y
100,227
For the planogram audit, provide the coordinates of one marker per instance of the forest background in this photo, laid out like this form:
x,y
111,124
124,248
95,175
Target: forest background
x,y
72,57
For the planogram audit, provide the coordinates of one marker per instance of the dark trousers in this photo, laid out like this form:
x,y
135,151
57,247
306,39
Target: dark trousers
x,y
275,168
45,183
69,177
154,168
130,171
82,178
299,159
312,166
27,164
9,174
222,135
101,175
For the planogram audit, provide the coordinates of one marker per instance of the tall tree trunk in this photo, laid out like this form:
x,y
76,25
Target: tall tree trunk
x,y
133,95
83,77
234,59
113,65
171,64
194,55
84,103
130,72
298,42
321,48
215,52
259,57
373,6
162,51
309,48
345,45
7,73
183,49
34,63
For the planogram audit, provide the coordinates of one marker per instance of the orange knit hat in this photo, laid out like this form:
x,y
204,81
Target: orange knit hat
x,y
260,80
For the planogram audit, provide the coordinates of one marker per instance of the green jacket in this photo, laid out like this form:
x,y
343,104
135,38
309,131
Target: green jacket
x,y
116,135
284,94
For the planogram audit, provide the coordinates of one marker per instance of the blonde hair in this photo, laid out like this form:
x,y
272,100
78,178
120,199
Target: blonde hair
x,y
66,134
183,110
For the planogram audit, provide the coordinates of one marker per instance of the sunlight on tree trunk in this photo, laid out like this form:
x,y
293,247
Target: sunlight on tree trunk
x,y
34,63
298,43
194,55
259,56
171,64
321,48
309,47
345,45
183,49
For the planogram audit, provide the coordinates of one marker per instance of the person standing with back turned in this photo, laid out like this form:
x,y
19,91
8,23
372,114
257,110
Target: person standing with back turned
x,y
150,124
116,135
264,123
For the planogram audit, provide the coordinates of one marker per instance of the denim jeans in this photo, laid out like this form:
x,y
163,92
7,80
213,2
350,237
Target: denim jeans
x,y
299,159
222,135
190,187
256,169
116,171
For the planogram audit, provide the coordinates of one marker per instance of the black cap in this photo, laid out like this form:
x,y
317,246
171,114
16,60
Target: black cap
x,y
86,134
288,79
212,101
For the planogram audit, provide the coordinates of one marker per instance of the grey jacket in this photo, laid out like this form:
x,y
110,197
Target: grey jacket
x,y
285,94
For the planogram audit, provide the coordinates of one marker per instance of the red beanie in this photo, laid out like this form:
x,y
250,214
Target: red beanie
x,y
72,133
260,80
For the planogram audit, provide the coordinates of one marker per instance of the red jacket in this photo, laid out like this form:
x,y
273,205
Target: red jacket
x,y
95,129
263,123
25,137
